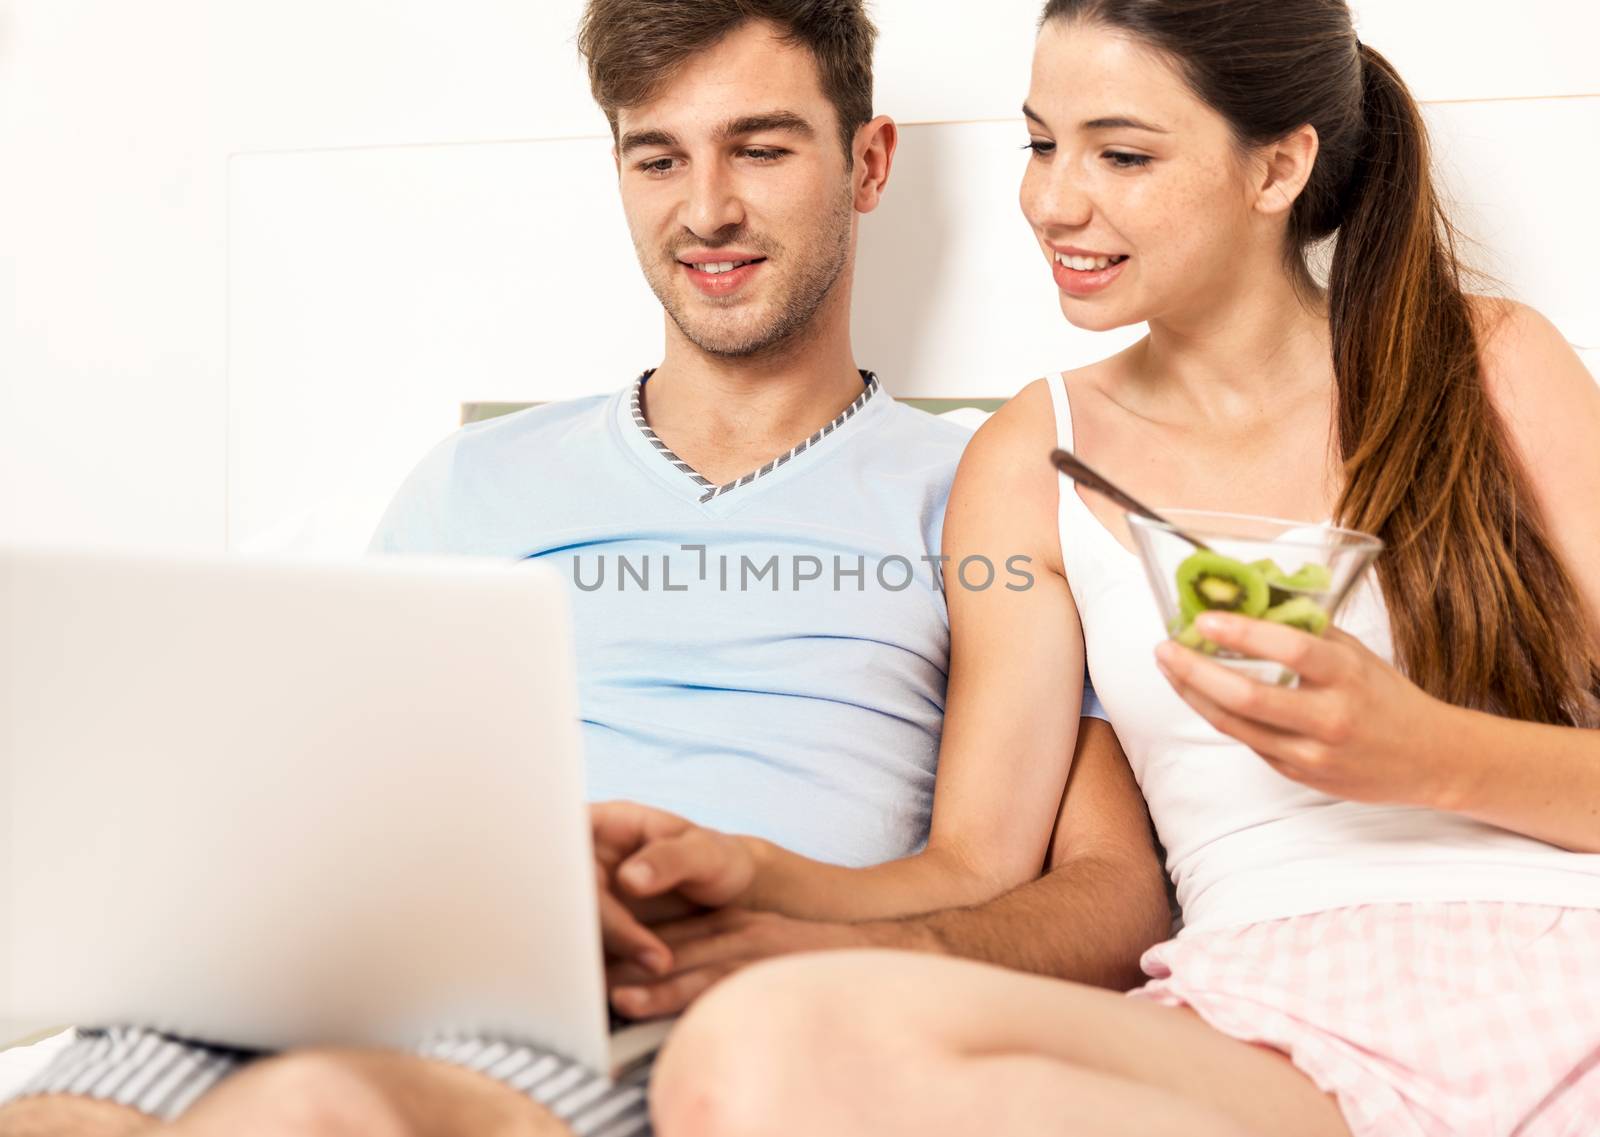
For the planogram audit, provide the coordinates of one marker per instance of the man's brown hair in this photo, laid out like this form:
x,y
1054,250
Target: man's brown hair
x,y
634,47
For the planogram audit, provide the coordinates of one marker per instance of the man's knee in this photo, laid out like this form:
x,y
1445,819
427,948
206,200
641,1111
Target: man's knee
x,y
358,1093
62,1115
311,1094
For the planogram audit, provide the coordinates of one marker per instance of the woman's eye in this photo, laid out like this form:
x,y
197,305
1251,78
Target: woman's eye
x,y
1124,161
1041,149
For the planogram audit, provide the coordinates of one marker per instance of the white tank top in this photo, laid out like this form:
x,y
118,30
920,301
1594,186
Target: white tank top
x,y
1244,843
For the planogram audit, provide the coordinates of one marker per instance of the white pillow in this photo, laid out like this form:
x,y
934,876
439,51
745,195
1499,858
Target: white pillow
x,y
970,417
21,1063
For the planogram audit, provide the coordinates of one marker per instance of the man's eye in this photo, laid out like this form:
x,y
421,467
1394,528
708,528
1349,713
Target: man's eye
x,y
763,153
656,166
1125,161
1041,149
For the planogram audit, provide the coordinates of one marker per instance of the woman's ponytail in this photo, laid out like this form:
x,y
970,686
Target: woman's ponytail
x,y
1489,612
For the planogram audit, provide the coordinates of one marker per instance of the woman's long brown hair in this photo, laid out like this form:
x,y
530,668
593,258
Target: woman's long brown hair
x,y
1484,613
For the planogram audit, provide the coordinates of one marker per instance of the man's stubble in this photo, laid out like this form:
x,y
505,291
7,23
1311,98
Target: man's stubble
x,y
813,279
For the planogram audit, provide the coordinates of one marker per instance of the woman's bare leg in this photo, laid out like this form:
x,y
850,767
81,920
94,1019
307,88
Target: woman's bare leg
x,y
882,1043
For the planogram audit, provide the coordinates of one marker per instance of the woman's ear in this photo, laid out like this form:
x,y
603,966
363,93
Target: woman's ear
x,y
1285,169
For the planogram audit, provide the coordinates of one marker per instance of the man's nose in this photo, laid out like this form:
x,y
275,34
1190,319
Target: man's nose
x,y
713,205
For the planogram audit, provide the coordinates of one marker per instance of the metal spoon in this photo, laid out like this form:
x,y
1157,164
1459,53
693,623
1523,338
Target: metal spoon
x,y
1073,467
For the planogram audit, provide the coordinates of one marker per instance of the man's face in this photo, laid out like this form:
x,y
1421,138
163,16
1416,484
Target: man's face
x,y
738,162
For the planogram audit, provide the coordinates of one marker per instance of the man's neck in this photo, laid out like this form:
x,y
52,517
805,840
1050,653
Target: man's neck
x,y
725,417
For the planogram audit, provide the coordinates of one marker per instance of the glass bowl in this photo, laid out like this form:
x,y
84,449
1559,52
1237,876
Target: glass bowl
x,y
1288,572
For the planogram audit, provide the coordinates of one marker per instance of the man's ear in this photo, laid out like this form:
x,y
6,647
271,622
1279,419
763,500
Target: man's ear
x,y
873,149
616,160
1285,169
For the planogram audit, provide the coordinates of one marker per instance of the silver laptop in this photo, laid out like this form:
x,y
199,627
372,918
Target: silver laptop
x,y
270,804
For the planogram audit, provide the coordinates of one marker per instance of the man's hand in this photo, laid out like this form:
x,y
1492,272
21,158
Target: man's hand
x,y
623,932
707,949
652,866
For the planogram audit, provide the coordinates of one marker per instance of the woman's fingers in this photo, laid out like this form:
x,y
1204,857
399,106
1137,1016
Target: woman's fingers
x,y
706,866
1280,708
1317,660
1273,744
621,827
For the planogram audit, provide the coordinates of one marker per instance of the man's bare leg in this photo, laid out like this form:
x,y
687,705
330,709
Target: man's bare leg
x,y
62,1115
358,1093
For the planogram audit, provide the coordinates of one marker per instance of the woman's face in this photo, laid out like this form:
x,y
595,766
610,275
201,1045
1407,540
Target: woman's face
x,y
1135,189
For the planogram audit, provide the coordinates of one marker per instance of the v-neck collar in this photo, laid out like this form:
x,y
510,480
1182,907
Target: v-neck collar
x,y
709,491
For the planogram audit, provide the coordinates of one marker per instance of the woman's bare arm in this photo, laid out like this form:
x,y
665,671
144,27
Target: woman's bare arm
x,y
1011,719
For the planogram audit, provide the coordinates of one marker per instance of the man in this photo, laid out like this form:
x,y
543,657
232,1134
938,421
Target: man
x,y
753,532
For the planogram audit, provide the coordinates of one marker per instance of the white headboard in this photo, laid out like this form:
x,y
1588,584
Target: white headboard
x,y
375,290
299,153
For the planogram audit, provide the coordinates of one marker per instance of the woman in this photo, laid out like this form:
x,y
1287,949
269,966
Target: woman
x,y
1390,875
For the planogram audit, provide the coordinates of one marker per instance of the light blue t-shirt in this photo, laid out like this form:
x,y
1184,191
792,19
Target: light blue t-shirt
x,y
771,660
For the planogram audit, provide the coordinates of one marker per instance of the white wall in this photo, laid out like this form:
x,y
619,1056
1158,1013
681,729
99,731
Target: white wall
x,y
8,328
333,130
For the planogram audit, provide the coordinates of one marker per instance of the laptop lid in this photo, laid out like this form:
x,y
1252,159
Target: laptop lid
x,y
269,803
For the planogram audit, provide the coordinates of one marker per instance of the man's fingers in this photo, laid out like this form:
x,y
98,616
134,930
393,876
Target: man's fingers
x,y
626,938
724,936
665,910
626,973
669,996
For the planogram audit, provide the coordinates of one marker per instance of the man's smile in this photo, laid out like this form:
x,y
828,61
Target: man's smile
x,y
719,272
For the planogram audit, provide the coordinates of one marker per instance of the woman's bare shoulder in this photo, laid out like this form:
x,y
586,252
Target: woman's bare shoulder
x,y
1534,377
1006,471
1031,414
1012,448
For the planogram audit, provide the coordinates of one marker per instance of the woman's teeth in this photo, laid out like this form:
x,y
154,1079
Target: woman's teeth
x,y
722,266
1088,264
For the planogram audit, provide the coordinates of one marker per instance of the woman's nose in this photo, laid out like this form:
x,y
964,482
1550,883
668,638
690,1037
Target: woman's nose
x,y
1058,199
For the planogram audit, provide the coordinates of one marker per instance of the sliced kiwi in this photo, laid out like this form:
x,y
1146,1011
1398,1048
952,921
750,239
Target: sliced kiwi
x,y
1269,570
1299,612
1274,576
1211,582
1310,577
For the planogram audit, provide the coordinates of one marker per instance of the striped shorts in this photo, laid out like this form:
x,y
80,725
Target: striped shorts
x,y
162,1076
1422,1020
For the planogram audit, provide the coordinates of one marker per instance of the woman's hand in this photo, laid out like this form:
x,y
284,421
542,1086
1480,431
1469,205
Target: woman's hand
x,y
652,866
1354,728
654,852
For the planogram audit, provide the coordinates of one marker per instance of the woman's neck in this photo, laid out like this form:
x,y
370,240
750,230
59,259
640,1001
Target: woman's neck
x,y
1261,342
